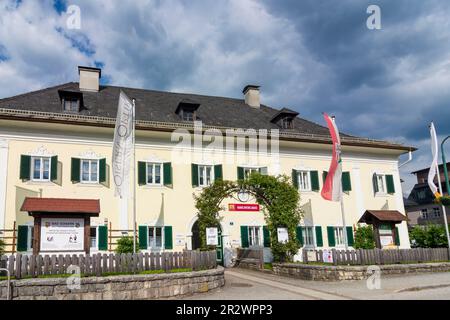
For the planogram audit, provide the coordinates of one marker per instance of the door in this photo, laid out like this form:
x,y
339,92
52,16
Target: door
x,y
196,242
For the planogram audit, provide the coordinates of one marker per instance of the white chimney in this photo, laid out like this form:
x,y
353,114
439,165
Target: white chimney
x,y
89,78
251,96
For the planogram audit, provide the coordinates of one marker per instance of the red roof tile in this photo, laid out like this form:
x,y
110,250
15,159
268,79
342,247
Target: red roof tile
x,y
61,205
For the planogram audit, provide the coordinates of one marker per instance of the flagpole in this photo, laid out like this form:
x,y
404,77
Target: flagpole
x,y
134,176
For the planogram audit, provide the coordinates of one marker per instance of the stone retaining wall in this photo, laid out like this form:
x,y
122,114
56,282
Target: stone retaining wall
x,y
152,286
337,273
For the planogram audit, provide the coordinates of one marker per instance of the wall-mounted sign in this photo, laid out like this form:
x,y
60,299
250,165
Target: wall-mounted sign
x,y
283,235
62,234
327,256
179,240
243,207
212,237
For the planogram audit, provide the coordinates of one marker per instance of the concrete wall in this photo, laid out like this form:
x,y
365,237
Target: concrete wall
x,y
134,287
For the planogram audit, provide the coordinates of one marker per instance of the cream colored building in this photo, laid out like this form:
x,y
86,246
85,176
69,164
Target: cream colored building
x,y
57,143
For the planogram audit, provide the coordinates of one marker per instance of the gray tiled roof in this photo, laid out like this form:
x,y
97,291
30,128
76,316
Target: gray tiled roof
x,y
160,106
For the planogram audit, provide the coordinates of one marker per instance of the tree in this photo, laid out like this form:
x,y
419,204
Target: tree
x,y
364,238
125,245
278,199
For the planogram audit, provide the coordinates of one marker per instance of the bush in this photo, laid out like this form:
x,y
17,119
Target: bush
x,y
125,245
430,236
2,247
364,237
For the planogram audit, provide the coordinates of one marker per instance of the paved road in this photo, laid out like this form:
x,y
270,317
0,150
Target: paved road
x,y
253,285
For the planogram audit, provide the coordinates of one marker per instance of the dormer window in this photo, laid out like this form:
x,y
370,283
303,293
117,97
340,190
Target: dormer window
x,y
71,104
71,101
286,123
188,115
187,110
285,118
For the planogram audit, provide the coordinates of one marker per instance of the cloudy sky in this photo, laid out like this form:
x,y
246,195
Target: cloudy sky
x,y
311,56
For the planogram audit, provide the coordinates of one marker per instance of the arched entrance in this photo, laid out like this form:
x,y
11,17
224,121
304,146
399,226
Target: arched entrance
x,y
196,241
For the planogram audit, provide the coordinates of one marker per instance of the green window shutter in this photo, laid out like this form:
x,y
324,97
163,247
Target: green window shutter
x,y
22,238
218,172
375,183
75,170
168,242
346,181
244,236
350,236
314,180
102,170
319,238
331,239
167,168
294,178
194,175
102,238
54,168
266,234
240,173
142,173
143,237
390,184
397,237
299,233
324,175
25,167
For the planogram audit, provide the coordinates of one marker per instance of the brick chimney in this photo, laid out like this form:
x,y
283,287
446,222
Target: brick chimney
x,y
251,96
89,78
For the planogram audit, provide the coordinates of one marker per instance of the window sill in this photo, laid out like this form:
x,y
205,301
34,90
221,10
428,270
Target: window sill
x,y
89,185
153,186
36,182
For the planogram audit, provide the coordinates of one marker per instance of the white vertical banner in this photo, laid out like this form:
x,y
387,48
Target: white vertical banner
x,y
122,146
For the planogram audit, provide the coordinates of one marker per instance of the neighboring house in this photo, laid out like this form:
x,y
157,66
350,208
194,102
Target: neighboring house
x,y
420,206
56,145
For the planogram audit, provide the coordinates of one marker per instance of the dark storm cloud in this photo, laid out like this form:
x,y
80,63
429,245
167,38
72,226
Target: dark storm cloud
x,y
309,55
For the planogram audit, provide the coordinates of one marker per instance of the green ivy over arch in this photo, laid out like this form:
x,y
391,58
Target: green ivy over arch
x,y
278,198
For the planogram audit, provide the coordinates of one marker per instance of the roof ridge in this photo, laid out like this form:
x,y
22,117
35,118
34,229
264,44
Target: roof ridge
x,y
36,91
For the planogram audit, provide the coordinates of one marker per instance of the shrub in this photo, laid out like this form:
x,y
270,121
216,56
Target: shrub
x,y
430,236
2,247
364,238
125,245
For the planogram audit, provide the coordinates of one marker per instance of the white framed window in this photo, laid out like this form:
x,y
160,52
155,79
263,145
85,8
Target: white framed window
x,y
424,213
381,183
304,180
308,236
254,236
436,212
154,173
93,238
40,167
89,171
339,236
30,239
71,104
188,115
155,237
248,171
205,175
